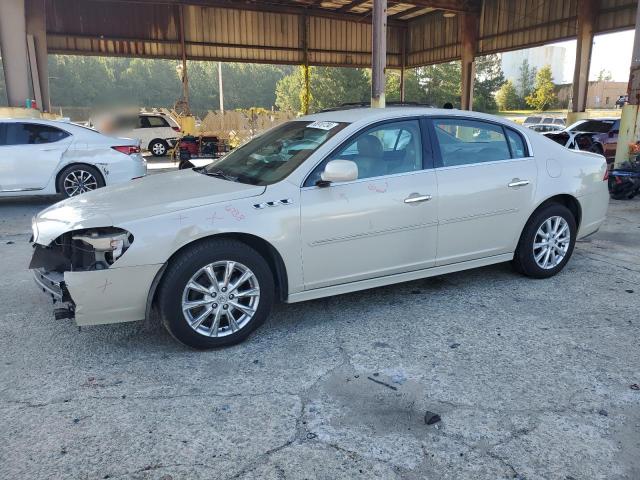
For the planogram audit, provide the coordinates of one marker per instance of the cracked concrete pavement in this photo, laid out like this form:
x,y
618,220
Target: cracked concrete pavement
x,y
530,377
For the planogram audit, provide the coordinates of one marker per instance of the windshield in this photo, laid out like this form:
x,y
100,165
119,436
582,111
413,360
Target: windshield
x,y
275,154
594,126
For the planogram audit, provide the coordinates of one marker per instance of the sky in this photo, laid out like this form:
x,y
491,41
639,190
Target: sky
x,y
611,51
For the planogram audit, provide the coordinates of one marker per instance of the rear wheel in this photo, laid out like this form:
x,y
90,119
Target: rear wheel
x,y
215,294
158,148
77,179
547,242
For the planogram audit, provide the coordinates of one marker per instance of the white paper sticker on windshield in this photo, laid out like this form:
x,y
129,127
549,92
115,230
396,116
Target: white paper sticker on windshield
x,y
322,125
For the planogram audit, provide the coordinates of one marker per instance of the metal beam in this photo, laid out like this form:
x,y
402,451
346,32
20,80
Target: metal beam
x,y
587,14
469,26
379,53
630,119
337,14
13,40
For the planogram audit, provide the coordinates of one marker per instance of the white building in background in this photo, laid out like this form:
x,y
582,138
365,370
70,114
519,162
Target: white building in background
x,y
537,57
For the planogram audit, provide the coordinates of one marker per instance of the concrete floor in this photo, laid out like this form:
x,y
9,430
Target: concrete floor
x,y
532,379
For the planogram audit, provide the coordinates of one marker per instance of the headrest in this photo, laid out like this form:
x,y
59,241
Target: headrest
x,y
369,146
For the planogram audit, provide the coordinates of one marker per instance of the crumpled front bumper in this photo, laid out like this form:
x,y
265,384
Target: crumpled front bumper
x,y
99,297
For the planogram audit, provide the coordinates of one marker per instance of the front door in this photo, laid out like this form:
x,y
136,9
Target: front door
x,y
486,184
29,155
384,222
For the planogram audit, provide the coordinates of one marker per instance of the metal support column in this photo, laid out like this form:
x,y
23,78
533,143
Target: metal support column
x,y
403,64
378,53
36,27
15,59
630,120
469,36
587,13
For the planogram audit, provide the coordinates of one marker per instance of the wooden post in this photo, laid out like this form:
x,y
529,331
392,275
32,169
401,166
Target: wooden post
x,y
469,37
378,53
15,59
403,64
587,11
185,78
630,119
306,95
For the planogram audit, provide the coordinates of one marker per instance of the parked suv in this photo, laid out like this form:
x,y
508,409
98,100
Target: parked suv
x,y
157,132
622,99
542,120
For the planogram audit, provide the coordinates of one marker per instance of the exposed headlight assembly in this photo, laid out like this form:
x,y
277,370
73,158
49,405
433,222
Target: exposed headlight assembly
x,y
108,244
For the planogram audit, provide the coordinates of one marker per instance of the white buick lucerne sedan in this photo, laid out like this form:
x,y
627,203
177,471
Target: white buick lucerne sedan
x,y
47,157
324,205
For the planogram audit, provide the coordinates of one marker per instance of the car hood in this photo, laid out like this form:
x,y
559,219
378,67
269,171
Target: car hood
x,y
141,198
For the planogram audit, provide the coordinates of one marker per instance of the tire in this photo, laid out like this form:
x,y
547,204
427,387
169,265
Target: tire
x,y
77,179
524,260
183,282
158,147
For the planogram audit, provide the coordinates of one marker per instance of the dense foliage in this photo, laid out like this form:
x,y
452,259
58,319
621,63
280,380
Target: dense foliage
x,y
543,95
100,81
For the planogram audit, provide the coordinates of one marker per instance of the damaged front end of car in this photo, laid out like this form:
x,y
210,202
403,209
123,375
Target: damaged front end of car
x,y
83,250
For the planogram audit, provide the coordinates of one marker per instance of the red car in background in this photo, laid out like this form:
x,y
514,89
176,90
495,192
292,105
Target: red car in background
x,y
598,135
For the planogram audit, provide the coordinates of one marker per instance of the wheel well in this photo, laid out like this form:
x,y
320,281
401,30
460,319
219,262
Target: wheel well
x,y
157,140
264,248
568,201
77,164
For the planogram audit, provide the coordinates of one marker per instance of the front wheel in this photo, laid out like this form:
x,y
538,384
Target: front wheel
x,y
547,242
215,294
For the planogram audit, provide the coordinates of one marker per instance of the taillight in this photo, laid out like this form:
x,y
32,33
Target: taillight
x,y
127,149
177,129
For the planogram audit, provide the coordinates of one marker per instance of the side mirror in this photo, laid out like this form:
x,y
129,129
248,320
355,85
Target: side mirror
x,y
339,171
613,132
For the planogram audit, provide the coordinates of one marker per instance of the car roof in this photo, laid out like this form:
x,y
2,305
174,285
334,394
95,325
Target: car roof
x,y
59,123
369,115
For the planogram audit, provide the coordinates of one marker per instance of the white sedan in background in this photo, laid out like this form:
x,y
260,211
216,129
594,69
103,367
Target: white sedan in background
x,y
44,157
372,197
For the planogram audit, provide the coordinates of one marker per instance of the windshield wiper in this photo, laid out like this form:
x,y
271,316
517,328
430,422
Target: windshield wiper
x,y
220,174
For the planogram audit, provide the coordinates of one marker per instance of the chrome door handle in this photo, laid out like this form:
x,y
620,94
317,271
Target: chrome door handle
x,y
518,183
418,198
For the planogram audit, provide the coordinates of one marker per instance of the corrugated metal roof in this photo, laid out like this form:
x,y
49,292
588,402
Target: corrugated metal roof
x,y
338,31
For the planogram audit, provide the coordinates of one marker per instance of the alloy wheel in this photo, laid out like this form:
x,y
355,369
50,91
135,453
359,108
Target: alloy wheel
x,y
79,181
220,299
551,242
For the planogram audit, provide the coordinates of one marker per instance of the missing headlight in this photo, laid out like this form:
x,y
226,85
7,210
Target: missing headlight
x,y
89,249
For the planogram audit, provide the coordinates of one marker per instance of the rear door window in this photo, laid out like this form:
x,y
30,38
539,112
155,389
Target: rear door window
x,y
32,134
464,142
154,122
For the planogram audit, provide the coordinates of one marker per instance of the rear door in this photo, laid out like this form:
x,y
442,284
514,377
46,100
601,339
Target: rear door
x,y
30,154
486,183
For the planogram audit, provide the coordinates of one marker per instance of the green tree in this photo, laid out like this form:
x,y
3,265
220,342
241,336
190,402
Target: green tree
x,y
413,91
526,81
489,78
604,76
543,95
507,96
441,83
329,87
